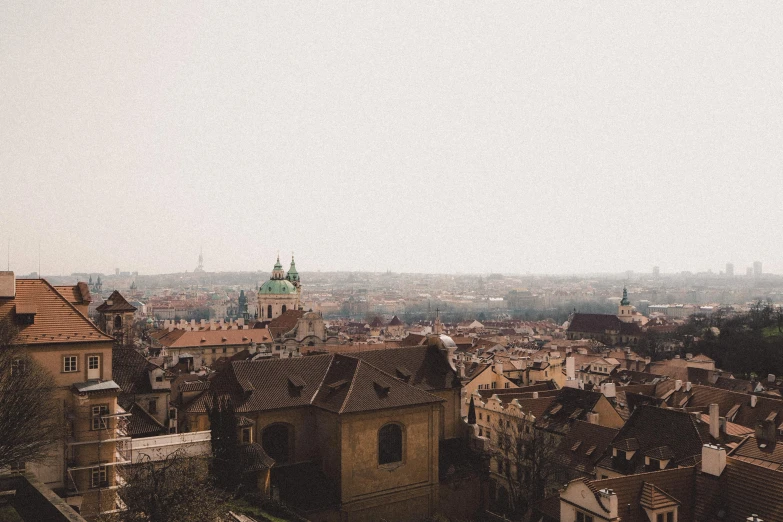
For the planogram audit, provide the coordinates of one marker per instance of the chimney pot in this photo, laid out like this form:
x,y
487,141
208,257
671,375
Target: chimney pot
x,y
714,421
8,285
677,385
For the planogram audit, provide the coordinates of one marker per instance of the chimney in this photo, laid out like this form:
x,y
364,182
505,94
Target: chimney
x,y
771,378
535,395
714,421
753,518
461,369
713,460
8,285
592,418
688,356
677,385
609,390
753,400
610,497
688,386
570,368
499,368
766,434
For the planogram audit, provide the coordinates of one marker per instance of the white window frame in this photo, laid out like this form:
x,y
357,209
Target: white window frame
x,y
97,359
97,422
73,367
101,473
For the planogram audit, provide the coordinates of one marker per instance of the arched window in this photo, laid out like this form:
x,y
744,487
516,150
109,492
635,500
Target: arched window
x,y
277,441
118,322
269,312
390,444
283,308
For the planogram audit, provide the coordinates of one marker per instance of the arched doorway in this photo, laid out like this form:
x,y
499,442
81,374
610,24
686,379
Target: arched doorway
x,y
117,322
277,441
269,312
283,308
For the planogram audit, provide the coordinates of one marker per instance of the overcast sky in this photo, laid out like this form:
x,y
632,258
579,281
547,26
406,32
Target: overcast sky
x,y
557,137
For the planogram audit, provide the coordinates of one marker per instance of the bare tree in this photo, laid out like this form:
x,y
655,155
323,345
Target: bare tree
x,y
525,458
177,489
30,414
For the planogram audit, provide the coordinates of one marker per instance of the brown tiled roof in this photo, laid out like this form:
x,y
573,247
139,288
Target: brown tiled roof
x,y
75,294
285,322
130,370
430,370
337,383
569,404
653,497
649,428
600,323
737,385
770,456
413,340
254,458
675,485
56,319
118,304
745,415
751,489
142,424
210,338
395,321
593,440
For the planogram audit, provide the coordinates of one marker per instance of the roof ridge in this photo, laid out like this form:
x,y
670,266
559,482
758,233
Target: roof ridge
x,y
78,313
323,378
353,381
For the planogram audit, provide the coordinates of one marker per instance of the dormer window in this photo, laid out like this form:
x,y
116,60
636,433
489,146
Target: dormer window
x,y
25,314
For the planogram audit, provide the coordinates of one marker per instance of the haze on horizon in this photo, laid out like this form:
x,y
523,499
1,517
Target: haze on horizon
x,y
439,138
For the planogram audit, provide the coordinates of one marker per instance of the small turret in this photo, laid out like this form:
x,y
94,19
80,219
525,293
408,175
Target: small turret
x,y
293,275
277,271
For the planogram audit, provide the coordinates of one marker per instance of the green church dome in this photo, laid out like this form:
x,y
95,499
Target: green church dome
x,y
277,287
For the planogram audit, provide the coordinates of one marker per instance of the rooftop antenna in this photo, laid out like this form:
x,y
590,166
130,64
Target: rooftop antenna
x,y
39,260
9,254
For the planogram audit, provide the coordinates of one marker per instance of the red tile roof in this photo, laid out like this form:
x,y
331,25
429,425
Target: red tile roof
x,y
118,304
56,319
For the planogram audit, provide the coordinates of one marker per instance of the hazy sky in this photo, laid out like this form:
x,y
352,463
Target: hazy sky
x,y
543,137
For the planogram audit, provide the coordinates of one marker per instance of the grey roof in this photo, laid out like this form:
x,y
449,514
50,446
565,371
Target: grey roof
x,y
95,386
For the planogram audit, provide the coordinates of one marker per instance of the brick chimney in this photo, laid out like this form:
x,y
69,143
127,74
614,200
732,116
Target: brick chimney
x,y
608,496
7,285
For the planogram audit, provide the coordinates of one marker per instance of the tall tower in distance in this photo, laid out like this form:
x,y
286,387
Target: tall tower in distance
x,y
200,267
656,272
729,269
756,268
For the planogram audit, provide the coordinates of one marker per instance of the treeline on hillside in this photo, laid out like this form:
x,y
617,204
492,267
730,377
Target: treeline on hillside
x,y
748,344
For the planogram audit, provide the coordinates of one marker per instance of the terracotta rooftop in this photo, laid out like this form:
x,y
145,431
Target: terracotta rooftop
x,y
115,303
56,319
284,323
208,338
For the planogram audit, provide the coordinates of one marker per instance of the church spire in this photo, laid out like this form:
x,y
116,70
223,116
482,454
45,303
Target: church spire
x,y
625,301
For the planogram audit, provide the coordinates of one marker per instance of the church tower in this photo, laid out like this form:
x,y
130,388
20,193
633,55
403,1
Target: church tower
x,y
279,294
625,310
293,276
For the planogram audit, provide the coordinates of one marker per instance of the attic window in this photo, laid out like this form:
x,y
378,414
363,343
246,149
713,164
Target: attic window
x,y
556,408
589,451
296,382
337,385
576,446
577,412
403,373
381,388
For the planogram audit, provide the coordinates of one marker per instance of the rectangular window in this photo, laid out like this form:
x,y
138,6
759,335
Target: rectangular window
x,y
247,435
152,406
670,516
173,413
481,416
99,477
98,420
493,385
489,417
506,385
583,517
70,363
18,367
93,361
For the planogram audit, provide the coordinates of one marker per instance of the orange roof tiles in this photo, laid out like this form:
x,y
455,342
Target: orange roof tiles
x,y
56,319
206,337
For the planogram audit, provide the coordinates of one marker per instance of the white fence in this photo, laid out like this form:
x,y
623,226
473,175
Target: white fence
x,y
192,444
